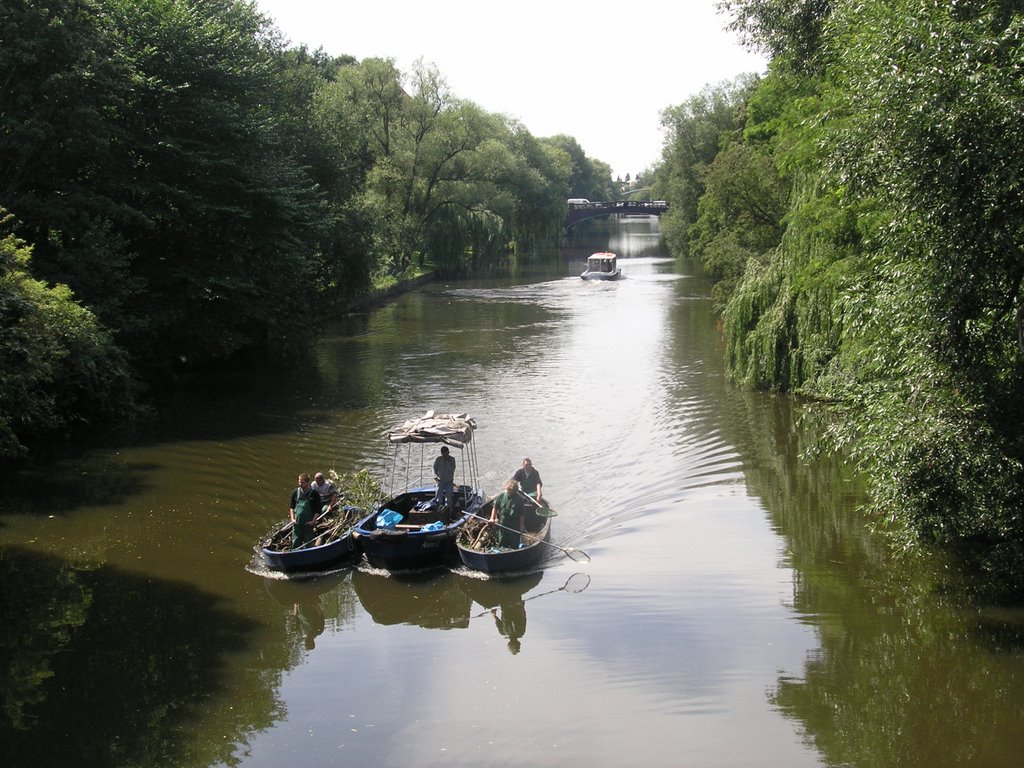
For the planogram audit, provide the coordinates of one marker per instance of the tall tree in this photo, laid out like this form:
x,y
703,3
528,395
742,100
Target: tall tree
x,y
176,211
791,31
695,132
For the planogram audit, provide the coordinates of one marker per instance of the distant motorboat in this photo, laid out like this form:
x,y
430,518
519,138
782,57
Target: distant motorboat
x,y
602,266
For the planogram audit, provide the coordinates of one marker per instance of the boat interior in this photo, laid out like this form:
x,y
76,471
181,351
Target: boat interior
x,y
418,507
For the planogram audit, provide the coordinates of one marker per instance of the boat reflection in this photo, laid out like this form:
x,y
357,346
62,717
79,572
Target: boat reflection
x,y
503,599
302,601
428,599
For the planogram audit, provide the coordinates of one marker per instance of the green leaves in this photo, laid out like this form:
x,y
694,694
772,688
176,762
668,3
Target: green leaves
x,y
897,286
59,369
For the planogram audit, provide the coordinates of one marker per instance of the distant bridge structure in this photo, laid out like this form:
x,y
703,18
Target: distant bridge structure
x,y
580,210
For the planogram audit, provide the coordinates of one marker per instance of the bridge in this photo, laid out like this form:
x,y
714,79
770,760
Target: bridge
x,y
584,209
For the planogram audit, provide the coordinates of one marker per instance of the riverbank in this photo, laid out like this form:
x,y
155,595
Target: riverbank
x,y
379,295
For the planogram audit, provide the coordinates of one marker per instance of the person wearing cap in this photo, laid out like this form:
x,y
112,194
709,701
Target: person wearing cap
x,y
328,493
529,480
444,473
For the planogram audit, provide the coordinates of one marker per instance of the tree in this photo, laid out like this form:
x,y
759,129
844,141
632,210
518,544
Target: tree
x,y
60,371
740,214
695,131
791,31
590,178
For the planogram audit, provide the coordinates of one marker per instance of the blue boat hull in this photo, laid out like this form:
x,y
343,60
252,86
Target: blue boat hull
x,y
278,556
312,558
408,546
510,560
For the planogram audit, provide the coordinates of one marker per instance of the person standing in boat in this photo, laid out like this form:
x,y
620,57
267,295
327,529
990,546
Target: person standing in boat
x,y
529,480
304,509
508,513
444,473
326,490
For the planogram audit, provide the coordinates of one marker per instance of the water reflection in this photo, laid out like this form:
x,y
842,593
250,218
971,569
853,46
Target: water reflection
x,y
129,661
428,599
909,671
504,602
305,619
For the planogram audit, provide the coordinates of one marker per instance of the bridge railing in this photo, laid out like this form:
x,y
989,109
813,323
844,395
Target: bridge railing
x,y
613,205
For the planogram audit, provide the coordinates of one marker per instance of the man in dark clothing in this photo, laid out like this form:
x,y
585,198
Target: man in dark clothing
x,y
444,472
529,480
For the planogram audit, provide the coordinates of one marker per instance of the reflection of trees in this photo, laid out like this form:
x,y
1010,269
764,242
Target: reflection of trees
x,y
35,624
103,668
903,676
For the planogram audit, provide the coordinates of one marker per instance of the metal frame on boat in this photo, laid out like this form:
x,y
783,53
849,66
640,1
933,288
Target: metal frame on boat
x,y
424,536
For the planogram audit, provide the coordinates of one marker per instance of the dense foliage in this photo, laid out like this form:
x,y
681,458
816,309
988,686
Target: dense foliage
x,y
60,368
185,187
864,215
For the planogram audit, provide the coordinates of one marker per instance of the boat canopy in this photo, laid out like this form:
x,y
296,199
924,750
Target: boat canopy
x,y
455,429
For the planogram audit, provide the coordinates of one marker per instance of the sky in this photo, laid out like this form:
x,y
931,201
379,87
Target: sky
x,y
599,71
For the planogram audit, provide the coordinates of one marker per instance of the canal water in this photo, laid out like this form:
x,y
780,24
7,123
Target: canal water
x,y
734,610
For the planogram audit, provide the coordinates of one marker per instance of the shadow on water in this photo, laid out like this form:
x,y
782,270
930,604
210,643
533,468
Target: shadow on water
x,y
103,668
92,480
441,599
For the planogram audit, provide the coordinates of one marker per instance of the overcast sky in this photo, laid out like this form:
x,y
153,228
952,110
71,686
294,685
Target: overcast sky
x,y
599,71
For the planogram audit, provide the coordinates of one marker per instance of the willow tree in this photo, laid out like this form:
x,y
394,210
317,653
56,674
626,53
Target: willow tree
x,y
934,97
897,287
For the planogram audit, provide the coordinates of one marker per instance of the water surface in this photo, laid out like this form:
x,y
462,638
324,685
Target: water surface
x,y
734,611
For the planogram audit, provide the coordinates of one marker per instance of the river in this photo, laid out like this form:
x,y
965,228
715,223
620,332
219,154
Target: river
x,y
734,611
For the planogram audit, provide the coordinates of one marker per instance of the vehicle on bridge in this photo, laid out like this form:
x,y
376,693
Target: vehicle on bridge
x,y
602,266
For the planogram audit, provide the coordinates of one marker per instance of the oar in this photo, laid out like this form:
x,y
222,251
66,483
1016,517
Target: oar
x,y
567,550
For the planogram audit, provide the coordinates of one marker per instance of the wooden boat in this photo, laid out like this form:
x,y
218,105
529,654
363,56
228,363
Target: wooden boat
x,y
424,536
476,542
602,266
331,544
